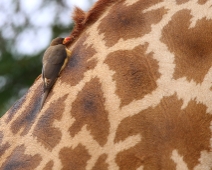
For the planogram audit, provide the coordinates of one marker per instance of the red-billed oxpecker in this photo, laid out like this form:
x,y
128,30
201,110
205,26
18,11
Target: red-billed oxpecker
x,y
54,60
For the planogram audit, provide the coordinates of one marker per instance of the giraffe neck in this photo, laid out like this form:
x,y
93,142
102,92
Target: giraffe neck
x,y
135,94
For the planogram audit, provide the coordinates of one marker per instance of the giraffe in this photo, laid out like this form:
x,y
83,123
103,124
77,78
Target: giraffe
x,y
136,94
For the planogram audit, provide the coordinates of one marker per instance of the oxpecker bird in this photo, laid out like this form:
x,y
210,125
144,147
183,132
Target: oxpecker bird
x,y
54,60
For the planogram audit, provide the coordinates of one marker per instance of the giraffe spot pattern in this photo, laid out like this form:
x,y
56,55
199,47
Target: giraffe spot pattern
x,y
135,73
191,46
3,147
78,63
181,1
70,158
101,163
202,1
18,160
27,117
88,109
15,108
163,129
128,21
45,131
49,165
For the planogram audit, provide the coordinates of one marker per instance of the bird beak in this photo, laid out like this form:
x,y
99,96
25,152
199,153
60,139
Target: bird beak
x,y
67,39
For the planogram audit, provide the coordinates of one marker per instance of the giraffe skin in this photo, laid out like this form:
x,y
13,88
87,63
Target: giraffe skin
x,y
136,94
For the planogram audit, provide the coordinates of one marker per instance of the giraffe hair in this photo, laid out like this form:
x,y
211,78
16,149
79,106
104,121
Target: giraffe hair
x,y
83,19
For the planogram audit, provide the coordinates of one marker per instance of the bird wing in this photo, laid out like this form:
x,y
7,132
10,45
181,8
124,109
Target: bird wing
x,y
55,54
53,61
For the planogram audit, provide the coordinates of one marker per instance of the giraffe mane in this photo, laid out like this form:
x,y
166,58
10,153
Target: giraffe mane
x,y
83,19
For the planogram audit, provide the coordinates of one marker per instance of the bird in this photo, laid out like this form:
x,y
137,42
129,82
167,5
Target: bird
x,y
54,61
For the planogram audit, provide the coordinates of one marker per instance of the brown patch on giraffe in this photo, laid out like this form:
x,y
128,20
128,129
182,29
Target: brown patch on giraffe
x,y
73,159
128,21
201,2
135,73
3,147
181,1
78,63
101,163
18,160
45,132
16,106
191,47
163,129
49,166
26,119
89,109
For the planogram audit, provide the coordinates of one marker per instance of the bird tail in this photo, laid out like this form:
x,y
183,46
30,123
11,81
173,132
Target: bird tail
x,y
44,98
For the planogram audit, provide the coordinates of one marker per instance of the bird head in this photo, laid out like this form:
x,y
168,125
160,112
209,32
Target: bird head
x,y
57,41
60,40
66,40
